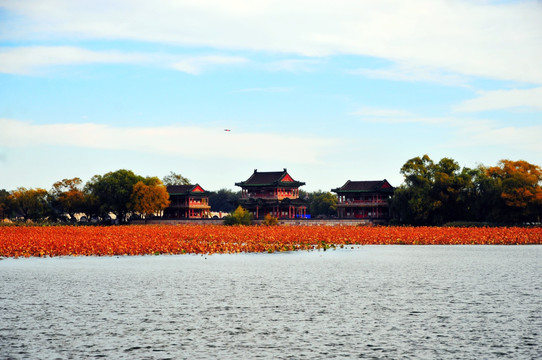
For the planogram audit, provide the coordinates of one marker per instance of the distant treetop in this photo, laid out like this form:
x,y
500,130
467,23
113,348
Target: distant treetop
x,y
175,179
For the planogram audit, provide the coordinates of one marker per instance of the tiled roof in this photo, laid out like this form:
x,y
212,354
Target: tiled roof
x,y
378,185
269,178
179,188
183,189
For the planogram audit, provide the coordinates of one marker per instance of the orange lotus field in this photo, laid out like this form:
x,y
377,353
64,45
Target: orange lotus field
x,y
28,241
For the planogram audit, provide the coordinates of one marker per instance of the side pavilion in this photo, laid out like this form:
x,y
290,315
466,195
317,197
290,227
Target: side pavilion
x,y
187,202
364,200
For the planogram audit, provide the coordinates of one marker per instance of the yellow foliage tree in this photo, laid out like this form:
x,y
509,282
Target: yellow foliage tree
x,y
149,199
270,220
68,195
520,188
520,182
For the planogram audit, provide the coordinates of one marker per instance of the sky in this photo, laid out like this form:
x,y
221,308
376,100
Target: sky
x,y
331,90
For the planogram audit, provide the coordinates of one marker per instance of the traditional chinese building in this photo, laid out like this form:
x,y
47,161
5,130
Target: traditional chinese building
x,y
275,193
187,202
364,200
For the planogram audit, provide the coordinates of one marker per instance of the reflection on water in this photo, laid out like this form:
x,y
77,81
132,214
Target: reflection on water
x,y
444,302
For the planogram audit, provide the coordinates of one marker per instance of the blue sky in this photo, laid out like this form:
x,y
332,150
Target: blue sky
x,y
330,90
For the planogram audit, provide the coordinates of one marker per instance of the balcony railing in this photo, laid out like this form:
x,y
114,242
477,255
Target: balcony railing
x,y
363,202
198,205
191,204
268,196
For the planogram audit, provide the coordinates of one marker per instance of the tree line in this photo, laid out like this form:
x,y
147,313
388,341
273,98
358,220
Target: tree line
x,y
120,193
433,193
443,192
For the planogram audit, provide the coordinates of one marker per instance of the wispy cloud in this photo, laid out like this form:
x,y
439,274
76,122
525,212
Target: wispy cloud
x,y
403,72
475,38
295,65
196,65
29,60
525,99
164,140
33,60
398,116
509,137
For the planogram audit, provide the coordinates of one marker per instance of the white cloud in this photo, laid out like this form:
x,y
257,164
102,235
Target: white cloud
x,y
404,72
395,116
509,138
33,59
475,38
196,65
28,60
183,141
294,65
529,99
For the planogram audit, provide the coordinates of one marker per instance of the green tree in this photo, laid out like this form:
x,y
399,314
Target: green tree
x,y
113,191
435,193
4,204
31,204
239,217
91,204
411,202
175,179
323,204
224,200
448,184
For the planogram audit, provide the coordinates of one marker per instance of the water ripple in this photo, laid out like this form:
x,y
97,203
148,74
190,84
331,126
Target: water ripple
x,y
375,302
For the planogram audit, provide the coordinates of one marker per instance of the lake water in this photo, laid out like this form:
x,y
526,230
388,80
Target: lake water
x,y
374,302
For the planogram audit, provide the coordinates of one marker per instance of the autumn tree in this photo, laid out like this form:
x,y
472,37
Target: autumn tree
x,y
149,197
239,217
270,220
68,196
175,179
31,204
520,188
